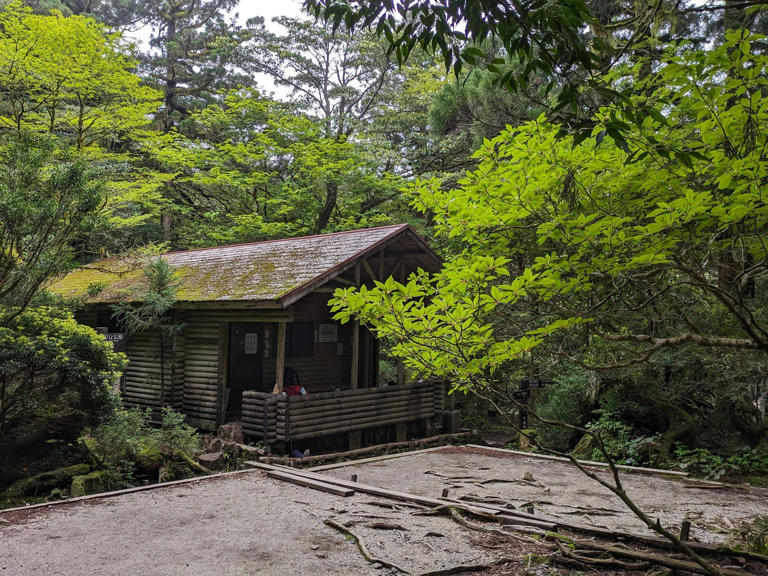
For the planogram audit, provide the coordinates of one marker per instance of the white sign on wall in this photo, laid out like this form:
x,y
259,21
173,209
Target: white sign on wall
x,y
327,333
251,343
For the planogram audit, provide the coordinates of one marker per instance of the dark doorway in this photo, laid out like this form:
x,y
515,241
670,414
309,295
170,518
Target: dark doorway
x,y
246,352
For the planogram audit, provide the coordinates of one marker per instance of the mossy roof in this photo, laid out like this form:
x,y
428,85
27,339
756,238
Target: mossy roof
x,y
256,272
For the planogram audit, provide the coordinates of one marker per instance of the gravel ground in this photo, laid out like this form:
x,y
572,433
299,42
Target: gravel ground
x,y
250,524
238,524
560,490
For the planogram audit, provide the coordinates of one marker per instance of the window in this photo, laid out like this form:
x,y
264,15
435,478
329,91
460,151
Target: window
x,y
300,339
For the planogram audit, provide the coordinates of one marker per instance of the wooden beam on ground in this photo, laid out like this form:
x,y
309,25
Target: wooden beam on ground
x,y
310,483
623,467
280,359
480,511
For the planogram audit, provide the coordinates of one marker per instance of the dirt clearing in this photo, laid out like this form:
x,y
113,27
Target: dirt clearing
x,y
559,490
247,523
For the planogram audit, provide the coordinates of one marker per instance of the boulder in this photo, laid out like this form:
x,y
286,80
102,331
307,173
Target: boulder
x,y
86,484
43,483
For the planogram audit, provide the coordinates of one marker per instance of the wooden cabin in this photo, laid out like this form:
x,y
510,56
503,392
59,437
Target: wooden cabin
x,y
246,313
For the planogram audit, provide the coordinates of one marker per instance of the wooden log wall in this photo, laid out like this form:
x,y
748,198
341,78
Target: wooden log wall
x,y
259,415
202,390
143,379
334,412
326,368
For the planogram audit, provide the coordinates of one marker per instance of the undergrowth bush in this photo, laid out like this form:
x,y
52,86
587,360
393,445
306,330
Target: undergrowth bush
x,y
130,445
706,464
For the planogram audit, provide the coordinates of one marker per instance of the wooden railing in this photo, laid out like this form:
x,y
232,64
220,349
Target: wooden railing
x,y
283,418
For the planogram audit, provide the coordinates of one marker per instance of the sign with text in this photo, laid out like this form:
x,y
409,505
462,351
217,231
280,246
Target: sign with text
x,y
117,339
251,343
327,333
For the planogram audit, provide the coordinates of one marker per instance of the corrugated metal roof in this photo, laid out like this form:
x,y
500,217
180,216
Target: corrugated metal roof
x,y
257,272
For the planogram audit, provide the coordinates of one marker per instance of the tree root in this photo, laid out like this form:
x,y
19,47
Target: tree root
x,y
361,545
468,568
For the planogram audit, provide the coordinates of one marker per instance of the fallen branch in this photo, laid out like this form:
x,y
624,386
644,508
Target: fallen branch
x,y
361,545
468,568
602,562
196,466
458,518
665,561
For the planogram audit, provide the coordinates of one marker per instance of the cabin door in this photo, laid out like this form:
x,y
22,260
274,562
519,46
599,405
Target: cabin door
x,y
246,353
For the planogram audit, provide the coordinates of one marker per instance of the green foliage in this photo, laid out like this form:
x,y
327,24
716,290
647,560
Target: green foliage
x,y
706,464
259,169
558,236
55,375
155,302
569,398
128,444
68,75
546,37
48,199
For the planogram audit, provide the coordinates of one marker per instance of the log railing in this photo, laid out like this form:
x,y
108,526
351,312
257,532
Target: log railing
x,y
284,418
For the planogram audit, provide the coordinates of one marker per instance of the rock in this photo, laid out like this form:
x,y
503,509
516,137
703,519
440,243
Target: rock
x,y
314,547
528,477
232,432
42,484
378,565
86,484
211,460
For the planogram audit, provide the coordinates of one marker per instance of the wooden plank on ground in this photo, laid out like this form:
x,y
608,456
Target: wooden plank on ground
x,y
310,483
484,511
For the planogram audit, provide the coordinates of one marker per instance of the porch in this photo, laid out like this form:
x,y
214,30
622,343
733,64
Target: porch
x,y
278,418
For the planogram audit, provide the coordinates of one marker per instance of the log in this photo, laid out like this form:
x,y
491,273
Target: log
x,y
349,404
310,483
364,451
323,417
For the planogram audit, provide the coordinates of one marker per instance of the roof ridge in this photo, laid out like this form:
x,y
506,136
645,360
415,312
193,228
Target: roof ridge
x,y
289,239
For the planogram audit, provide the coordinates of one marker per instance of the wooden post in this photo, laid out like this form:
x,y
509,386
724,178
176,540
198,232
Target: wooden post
x,y
355,438
355,343
400,365
366,344
280,358
685,530
401,432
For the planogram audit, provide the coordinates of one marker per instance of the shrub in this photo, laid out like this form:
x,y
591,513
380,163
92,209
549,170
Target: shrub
x,y
128,444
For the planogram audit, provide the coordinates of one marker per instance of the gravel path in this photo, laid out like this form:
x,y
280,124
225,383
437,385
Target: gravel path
x,y
558,489
230,525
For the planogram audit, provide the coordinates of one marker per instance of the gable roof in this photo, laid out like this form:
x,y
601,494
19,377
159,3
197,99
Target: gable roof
x,y
274,271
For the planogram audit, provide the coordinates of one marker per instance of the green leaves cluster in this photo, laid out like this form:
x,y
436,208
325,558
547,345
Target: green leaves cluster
x,y
591,239
55,371
68,75
258,169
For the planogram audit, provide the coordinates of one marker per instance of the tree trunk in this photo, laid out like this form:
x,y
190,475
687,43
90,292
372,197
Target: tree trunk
x,y
331,195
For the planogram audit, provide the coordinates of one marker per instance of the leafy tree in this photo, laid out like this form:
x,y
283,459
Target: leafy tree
x,y
55,377
572,243
48,200
581,229
259,169
68,76
195,51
